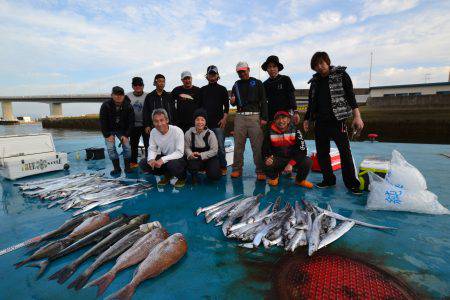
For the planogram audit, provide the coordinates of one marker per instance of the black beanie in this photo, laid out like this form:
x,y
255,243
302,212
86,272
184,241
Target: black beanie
x,y
200,113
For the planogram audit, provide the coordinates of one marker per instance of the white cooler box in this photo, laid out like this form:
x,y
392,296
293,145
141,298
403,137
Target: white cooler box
x,y
26,155
229,151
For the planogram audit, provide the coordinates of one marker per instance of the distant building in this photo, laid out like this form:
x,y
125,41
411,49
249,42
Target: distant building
x,y
24,119
435,88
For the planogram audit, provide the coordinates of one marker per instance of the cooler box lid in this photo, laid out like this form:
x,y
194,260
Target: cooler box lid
x,y
27,144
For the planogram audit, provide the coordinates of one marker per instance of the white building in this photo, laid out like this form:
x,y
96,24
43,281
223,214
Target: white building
x,y
434,88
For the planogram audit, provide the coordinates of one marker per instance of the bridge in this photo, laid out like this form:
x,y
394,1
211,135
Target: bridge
x,y
55,101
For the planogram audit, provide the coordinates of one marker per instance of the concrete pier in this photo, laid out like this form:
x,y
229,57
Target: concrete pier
x,y
7,111
56,110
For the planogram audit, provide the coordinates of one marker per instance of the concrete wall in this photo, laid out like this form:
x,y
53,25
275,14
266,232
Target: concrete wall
x,y
424,100
424,90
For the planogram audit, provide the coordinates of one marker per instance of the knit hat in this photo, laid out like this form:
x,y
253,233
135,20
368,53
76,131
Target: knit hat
x,y
137,81
200,112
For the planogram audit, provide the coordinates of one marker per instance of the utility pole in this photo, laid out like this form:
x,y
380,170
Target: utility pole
x,y
370,70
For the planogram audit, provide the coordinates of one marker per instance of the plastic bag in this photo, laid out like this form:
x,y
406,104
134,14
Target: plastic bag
x,y
386,196
403,174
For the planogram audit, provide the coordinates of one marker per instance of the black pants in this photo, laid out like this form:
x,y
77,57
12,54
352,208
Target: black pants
x,y
175,168
134,142
303,165
325,132
211,166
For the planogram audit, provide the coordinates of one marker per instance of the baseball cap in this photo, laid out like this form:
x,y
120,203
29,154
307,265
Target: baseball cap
x,y
212,69
117,90
137,81
282,113
241,66
185,74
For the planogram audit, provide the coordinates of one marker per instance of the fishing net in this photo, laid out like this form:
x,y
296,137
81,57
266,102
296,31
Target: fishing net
x,y
335,277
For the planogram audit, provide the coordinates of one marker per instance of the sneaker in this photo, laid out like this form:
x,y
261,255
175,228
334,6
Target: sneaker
x,y
115,172
236,174
324,185
165,180
134,165
356,191
305,184
223,170
273,182
180,183
260,176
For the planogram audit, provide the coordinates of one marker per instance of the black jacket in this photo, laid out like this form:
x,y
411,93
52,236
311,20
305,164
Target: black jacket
x,y
250,97
280,93
214,99
154,101
185,107
116,120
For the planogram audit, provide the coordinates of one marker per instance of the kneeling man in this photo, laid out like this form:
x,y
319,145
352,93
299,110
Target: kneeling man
x,y
166,150
200,147
283,149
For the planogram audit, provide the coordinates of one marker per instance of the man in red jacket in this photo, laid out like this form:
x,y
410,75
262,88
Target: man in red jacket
x,y
283,149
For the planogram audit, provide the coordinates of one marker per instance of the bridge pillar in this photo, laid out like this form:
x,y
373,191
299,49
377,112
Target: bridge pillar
x,y
7,111
56,110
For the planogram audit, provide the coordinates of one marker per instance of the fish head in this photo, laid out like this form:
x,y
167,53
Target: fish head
x,y
139,219
147,227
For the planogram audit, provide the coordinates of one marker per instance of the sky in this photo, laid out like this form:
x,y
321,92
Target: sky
x,y
55,47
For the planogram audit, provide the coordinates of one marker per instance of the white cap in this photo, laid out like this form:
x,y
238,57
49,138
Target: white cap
x,y
185,74
241,66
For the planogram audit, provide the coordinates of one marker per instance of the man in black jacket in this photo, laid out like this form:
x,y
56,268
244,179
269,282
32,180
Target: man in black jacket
x,y
215,101
186,98
280,91
158,98
331,101
117,120
283,149
249,96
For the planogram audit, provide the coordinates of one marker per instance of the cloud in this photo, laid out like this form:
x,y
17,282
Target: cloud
x,y
385,7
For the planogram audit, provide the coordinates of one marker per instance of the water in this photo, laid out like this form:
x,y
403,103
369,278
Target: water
x,y
214,267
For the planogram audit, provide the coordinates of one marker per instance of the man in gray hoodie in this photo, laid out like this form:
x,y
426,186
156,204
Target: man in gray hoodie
x,y
201,147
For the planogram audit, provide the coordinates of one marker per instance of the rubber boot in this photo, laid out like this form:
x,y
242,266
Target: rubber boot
x,y
127,167
117,170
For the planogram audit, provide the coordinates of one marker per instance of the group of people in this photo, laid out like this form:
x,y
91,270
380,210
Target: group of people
x,y
183,131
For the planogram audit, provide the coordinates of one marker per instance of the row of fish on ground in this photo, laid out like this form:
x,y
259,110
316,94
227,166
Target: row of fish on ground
x,y
287,226
83,192
129,240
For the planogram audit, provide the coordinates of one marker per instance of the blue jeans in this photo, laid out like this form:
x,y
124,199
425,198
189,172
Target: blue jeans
x,y
111,147
220,135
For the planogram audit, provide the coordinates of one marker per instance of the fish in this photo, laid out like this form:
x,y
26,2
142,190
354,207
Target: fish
x,y
66,227
161,257
89,225
200,209
93,237
219,213
46,251
112,252
63,274
137,253
335,234
314,235
299,239
238,211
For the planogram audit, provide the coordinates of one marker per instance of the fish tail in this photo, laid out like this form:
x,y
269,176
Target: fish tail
x,y
63,274
80,281
123,294
102,282
42,265
21,263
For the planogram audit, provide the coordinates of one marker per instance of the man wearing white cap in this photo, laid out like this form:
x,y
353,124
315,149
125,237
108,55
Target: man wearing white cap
x,y
249,96
186,101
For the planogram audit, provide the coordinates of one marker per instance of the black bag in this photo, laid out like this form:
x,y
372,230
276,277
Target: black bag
x,y
95,153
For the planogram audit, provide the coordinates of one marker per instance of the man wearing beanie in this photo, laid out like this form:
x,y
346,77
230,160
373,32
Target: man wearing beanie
x,y
137,98
200,147
214,99
250,98
186,101
283,149
117,120
158,98
280,91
